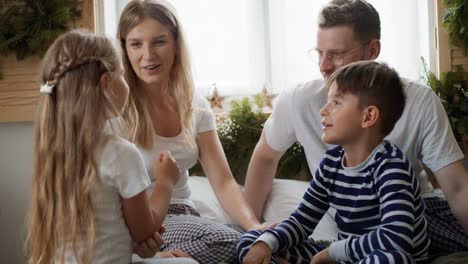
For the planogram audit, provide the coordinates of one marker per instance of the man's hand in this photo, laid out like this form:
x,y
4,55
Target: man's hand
x,y
323,257
259,253
151,246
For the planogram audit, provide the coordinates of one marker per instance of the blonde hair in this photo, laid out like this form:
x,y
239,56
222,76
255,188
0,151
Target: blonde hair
x,y
137,113
68,135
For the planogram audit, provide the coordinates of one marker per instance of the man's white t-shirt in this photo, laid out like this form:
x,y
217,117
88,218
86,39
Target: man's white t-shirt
x,y
121,175
423,131
185,155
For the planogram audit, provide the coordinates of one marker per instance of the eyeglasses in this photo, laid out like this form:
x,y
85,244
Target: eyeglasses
x,y
334,57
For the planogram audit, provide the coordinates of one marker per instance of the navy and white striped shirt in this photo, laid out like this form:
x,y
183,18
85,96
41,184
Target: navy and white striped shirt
x,y
378,206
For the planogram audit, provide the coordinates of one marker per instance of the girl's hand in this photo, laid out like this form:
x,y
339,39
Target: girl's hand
x,y
259,253
323,257
166,169
149,247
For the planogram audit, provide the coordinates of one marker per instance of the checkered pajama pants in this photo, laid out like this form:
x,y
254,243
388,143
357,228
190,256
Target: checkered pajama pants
x,y
205,240
300,254
446,233
210,242
303,252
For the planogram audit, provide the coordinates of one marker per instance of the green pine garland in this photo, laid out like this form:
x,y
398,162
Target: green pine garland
x,y
455,21
452,89
239,131
29,27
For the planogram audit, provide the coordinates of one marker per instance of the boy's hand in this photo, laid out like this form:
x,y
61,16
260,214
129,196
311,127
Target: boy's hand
x,y
166,168
323,257
259,253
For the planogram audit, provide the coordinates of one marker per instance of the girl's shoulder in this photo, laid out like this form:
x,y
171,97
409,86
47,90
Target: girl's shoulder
x,y
119,150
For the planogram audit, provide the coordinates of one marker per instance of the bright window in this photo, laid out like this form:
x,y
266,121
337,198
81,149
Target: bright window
x,y
240,46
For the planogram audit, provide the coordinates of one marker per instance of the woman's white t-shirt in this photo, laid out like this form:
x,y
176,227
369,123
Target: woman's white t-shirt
x,y
185,155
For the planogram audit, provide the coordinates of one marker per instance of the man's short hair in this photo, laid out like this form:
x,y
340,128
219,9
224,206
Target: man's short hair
x,y
376,84
358,14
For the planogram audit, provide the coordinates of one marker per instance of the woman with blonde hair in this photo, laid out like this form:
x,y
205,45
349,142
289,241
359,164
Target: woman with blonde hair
x,y
88,197
164,113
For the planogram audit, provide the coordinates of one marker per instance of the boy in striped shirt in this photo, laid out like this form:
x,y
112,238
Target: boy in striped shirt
x,y
369,181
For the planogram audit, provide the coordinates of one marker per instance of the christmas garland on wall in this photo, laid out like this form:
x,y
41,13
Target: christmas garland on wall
x,y
455,22
29,27
452,89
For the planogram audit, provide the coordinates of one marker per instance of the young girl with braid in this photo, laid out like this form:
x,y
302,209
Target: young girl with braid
x,y
88,197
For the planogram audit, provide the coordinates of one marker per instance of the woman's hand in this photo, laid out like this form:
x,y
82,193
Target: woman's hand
x,y
174,253
323,257
166,169
261,227
259,253
266,226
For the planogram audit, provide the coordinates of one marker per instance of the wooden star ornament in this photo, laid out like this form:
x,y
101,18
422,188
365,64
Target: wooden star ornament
x,y
216,100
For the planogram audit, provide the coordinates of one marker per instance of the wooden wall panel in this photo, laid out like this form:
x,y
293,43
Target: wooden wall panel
x,y
459,58
442,41
88,14
19,86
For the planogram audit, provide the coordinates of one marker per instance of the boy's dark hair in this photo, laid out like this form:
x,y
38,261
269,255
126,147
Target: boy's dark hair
x,y
358,14
374,84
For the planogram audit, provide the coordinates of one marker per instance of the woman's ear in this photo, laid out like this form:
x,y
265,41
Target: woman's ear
x,y
370,115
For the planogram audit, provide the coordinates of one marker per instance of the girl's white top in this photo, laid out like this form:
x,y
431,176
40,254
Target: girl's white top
x,y
121,175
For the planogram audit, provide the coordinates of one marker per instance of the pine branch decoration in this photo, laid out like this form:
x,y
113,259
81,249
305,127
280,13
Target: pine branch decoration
x,y
452,89
29,27
239,131
455,21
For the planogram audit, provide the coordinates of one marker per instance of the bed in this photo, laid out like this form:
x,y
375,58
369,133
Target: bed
x,y
284,198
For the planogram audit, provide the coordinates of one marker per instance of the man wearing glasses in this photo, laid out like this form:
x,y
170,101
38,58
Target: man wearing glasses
x,y
349,31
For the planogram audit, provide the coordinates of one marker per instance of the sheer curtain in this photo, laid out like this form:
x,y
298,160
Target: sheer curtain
x,y
226,40
293,26
241,46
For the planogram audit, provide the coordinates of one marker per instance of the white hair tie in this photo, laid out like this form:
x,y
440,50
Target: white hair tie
x,y
46,88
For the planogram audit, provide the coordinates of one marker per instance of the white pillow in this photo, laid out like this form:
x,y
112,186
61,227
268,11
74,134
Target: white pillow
x,y
284,199
205,200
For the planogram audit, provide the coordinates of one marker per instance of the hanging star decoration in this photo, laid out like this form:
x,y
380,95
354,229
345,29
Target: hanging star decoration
x,y
215,100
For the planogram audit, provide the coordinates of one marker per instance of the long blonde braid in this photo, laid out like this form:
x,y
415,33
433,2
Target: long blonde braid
x,y
68,137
